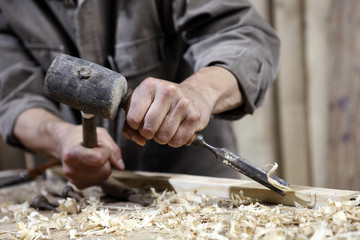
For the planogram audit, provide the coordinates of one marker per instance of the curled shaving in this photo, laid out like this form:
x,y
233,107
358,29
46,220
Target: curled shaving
x,y
274,182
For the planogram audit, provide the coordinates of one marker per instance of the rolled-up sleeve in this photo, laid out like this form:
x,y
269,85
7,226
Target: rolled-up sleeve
x,y
231,34
21,83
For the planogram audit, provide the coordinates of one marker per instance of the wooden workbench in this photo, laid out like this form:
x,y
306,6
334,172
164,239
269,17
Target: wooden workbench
x,y
153,222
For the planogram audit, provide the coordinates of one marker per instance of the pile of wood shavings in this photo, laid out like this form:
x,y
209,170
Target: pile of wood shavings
x,y
191,216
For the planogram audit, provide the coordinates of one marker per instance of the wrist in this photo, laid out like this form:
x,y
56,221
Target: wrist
x,y
198,85
36,128
54,131
218,87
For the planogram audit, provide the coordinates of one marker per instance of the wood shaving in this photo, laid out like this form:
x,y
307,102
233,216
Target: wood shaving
x,y
192,216
240,199
68,205
275,183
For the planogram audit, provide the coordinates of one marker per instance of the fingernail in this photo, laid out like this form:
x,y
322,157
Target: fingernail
x,y
121,164
139,140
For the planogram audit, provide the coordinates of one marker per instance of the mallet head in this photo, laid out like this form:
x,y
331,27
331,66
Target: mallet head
x,y
85,86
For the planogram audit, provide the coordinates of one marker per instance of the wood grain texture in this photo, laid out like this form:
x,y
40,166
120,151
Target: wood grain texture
x,y
224,188
317,46
344,81
291,93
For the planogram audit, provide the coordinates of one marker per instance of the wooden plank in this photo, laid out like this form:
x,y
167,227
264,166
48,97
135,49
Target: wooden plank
x,y
344,74
317,46
291,93
224,188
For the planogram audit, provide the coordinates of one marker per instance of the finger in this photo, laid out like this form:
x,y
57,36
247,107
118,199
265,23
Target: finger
x,y
168,128
185,131
85,176
116,158
172,122
155,115
140,102
115,152
133,135
87,156
182,136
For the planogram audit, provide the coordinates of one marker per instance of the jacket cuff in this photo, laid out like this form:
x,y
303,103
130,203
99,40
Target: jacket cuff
x,y
249,72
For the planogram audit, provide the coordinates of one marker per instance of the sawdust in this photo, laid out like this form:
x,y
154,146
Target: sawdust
x,y
187,216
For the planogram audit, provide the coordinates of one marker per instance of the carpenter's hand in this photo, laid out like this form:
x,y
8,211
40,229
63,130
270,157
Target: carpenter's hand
x,y
88,166
49,136
167,112
172,113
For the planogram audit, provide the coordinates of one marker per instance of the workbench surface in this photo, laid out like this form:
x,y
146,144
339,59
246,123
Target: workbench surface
x,y
191,213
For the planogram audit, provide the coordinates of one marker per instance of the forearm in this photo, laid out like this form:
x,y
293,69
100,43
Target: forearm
x,y
218,87
39,130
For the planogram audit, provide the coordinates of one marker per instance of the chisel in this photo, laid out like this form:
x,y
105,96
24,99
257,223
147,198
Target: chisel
x,y
240,164
56,185
36,200
25,175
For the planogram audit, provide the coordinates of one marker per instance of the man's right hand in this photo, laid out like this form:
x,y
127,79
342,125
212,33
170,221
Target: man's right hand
x,y
51,137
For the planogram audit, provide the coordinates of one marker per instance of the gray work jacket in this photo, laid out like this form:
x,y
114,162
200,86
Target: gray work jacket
x,y
159,38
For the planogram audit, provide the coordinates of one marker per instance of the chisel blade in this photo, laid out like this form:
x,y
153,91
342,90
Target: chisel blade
x,y
242,165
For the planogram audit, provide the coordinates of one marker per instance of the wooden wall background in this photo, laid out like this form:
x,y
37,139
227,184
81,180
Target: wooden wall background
x,y
310,121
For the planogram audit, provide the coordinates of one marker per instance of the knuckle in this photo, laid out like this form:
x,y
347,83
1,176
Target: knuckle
x,y
162,138
176,142
169,91
184,104
92,159
67,172
193,117
147,132
149,82
98,159
132,120
180,139
164,134
67,157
